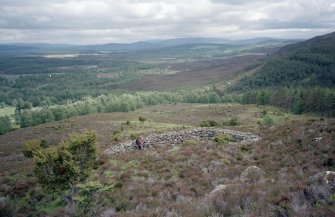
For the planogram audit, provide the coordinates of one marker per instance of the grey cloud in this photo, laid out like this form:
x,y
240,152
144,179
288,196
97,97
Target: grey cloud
x,y
233,2
102,21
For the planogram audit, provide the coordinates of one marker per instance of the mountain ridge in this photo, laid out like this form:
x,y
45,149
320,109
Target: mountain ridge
x,y
322,43
139,45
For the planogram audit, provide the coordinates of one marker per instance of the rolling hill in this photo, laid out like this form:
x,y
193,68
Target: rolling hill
x,y
325,43
140,45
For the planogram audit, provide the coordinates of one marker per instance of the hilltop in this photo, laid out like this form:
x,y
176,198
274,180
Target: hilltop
x,y
178,178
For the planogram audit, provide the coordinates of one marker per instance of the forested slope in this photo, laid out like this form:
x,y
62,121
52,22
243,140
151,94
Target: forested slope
x,y
309,64
299,77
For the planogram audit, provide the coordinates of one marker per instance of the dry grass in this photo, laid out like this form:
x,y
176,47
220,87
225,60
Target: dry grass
x,y
176,181
180,178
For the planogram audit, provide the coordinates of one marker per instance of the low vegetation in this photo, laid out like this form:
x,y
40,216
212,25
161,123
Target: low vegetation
x,y
59,168
179,180
222,139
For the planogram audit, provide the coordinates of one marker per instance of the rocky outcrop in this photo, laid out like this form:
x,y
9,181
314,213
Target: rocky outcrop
x,y
252,174
176,137
320,190
217,189
325,177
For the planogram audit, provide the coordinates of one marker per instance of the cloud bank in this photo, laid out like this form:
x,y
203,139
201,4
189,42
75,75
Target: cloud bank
x,y
105,21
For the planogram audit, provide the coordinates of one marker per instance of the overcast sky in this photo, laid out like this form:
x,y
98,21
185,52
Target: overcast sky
x,y
105,21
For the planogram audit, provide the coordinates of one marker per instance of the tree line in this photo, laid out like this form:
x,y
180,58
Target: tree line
x,y
315,100
297,100
125,102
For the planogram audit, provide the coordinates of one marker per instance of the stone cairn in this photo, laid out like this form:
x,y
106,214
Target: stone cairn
x,y
177,137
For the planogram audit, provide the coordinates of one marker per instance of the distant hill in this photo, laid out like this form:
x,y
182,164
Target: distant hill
x,y
140,45
156,44
183,41
34,47
17,48
310,63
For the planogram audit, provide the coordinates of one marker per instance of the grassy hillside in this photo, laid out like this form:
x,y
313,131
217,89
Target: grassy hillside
x,y
178,180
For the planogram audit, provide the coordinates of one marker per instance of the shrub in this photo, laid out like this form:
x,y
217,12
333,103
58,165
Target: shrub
x,y
55,169
116,132
31,147
116,137
209,123
191,142
52,207
133,135
84,151
204,124
264,112
246,149
142,119
267,120
222,139
85,192
212,123
59,168
233,122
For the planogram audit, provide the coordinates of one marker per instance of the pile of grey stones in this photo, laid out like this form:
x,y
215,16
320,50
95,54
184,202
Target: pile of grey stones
x,y
177,137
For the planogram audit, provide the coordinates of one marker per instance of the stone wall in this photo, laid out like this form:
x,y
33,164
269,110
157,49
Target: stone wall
x,y
176,137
